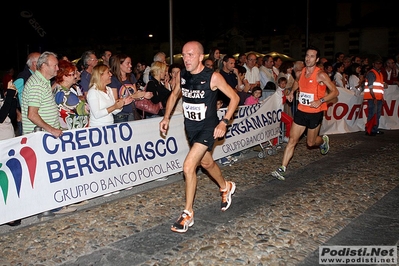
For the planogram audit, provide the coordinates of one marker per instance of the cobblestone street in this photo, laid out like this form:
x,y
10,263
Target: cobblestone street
x,y
347,197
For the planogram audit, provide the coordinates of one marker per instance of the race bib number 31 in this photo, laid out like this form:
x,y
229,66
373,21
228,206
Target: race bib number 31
x,y
195,112
306,98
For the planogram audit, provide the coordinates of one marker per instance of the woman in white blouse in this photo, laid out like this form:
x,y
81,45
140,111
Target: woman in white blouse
x,y
355,79
101,98
340,78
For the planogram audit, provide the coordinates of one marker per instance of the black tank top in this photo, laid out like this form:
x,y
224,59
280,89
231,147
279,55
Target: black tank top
x,y
199,101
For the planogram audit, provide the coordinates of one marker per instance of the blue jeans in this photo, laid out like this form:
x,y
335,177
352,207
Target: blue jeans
x,y
123,117
151,116
374,109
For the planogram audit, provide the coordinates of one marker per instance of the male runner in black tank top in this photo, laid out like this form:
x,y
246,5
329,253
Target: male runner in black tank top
x,y
198,86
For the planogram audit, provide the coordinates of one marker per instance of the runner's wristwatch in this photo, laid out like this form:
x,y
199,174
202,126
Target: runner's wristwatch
x,y
226,121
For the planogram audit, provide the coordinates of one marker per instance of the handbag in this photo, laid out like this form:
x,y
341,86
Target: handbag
x,y
148,106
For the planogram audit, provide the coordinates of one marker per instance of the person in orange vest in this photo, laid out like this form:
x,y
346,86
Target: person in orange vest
x,y
374,94
312,103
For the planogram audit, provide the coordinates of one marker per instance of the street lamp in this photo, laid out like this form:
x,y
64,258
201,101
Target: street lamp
x,y
307,24
171,30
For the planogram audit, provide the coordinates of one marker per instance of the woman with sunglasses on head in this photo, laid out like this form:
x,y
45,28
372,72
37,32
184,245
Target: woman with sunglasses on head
x,y
73,110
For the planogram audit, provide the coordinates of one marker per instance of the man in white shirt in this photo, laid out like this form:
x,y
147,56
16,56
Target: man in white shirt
x,y
158,57
266,71
266,75
252,74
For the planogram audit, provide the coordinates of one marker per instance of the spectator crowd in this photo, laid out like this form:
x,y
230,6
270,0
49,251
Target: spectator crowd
x,y
54,94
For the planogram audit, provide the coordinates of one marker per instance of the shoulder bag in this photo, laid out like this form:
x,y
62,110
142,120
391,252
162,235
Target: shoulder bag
x,y
146,105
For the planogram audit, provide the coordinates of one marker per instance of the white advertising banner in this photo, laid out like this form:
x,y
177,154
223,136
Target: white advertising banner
x,y
252,125
40,173
349,114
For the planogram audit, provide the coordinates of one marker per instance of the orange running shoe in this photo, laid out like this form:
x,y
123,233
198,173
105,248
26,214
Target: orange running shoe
x,y
185,221
226,195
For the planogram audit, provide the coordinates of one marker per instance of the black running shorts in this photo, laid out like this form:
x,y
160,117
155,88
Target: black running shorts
x,y
204,137
309,120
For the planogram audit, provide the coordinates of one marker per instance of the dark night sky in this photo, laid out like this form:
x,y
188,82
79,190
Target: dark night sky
x,y
190,18
70,23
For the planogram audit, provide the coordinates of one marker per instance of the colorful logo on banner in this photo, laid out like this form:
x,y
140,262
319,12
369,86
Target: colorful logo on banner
x,y
15,167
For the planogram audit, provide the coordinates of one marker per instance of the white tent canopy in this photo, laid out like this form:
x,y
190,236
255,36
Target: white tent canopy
x,y
178,58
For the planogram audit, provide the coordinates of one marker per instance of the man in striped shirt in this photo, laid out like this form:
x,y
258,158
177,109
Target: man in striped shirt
x,y
38,105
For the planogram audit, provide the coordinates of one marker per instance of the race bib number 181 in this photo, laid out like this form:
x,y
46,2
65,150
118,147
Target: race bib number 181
x,y
195,112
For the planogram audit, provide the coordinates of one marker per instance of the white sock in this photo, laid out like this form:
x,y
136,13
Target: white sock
x,y
189,213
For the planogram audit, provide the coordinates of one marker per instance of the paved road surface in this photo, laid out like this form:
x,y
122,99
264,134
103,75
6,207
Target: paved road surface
x,y
347,197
